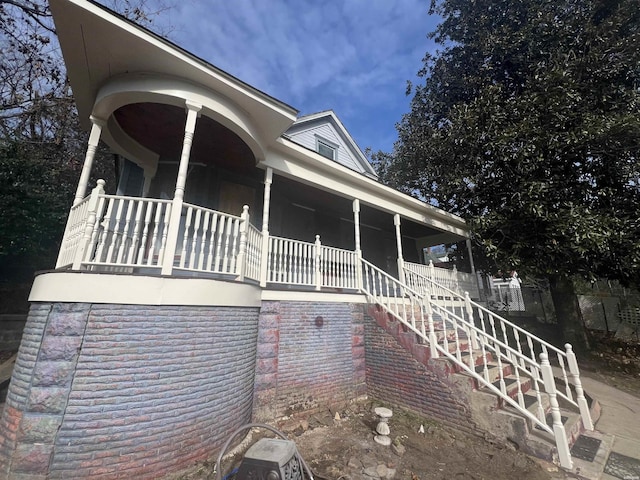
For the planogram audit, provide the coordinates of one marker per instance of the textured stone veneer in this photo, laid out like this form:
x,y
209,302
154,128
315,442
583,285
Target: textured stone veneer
x,y
115,391
310,355
395,376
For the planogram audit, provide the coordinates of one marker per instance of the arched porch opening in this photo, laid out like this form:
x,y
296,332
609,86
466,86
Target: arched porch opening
x,y
221,175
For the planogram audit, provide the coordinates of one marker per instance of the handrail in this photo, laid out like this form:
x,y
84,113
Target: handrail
x,y
404,293
475,313
460,329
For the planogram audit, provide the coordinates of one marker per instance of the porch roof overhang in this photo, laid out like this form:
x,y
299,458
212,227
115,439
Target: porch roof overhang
x,y
294,161
98,45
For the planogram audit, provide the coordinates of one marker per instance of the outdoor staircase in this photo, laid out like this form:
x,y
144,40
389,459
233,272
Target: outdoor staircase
x,y
504,373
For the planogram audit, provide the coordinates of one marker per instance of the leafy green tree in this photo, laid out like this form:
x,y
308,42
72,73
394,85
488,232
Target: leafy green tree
x,y
528,126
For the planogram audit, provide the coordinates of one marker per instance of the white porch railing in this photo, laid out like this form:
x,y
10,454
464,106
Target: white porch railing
x,y
292,262
339,267
73,233
118,233
210,241
453,279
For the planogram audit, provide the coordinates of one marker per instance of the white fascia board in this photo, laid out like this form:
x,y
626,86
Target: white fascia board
x,y
74,19
294,161
91,287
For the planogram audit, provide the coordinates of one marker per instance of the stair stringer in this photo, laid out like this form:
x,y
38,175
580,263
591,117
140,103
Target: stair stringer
x,y
485,413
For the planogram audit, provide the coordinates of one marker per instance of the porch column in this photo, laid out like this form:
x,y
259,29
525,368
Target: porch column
x,y
94,139
264,258
193,111
471,264
358,250
396,222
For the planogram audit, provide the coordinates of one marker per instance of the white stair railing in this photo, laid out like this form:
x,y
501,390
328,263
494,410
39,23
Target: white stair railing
x,y
519,340
470,347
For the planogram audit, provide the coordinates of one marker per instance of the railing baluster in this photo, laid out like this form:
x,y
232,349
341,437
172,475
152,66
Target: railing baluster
x,y
235,245
137,232
165,233
185,237
128,207
206,238
217,265
211,254
194,240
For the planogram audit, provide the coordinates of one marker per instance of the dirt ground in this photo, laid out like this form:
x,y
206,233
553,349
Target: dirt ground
x,y
342,447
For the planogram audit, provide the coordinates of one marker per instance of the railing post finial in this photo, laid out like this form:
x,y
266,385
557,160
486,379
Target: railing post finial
x,y
574,371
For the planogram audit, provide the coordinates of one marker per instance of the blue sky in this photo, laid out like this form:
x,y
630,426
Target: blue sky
x,y
352,56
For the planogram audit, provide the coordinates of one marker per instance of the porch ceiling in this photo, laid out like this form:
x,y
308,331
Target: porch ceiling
x,y
160,128
324,201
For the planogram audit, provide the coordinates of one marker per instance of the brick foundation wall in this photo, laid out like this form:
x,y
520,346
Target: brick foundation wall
x,y
310,355
394,376
114,391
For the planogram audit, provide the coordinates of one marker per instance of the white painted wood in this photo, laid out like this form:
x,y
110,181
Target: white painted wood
x,y
193,111
266,245
92,218
582,401
562,444
94,138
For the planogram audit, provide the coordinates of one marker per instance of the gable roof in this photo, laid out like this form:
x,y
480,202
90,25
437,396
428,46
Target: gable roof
x,y
326,125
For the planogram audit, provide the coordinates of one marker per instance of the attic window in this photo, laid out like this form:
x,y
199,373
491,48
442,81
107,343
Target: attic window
x,y
326,148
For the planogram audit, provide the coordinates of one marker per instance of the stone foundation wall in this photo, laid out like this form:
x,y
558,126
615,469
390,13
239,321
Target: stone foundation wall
x,y
393,375
116,391
310,355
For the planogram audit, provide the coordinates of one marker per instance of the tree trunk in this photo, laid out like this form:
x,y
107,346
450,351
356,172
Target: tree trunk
x,y
565,302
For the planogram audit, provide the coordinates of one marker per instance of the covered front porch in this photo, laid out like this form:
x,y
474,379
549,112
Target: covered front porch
x,y
134,235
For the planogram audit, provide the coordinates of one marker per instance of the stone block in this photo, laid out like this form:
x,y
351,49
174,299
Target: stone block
x,y
269,335
269,320
31,458
47,399
60,348
53,373
39,428
267,350
70,324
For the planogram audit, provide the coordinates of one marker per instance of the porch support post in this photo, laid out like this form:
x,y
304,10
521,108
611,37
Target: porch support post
x,y
358,250
264,255
396,222
471,264
193,111
94,139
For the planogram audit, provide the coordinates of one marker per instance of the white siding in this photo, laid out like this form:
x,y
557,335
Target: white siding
x,y
307,138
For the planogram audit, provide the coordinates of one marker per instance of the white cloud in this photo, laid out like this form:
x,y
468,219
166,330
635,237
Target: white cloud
x,y
353,56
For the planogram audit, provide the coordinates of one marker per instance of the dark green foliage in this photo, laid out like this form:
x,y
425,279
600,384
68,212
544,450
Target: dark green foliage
x,y
528,126
41,144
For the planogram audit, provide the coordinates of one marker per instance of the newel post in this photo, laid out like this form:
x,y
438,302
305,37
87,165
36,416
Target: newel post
x,y
562,444
318,262
92,210
575,375
241,264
